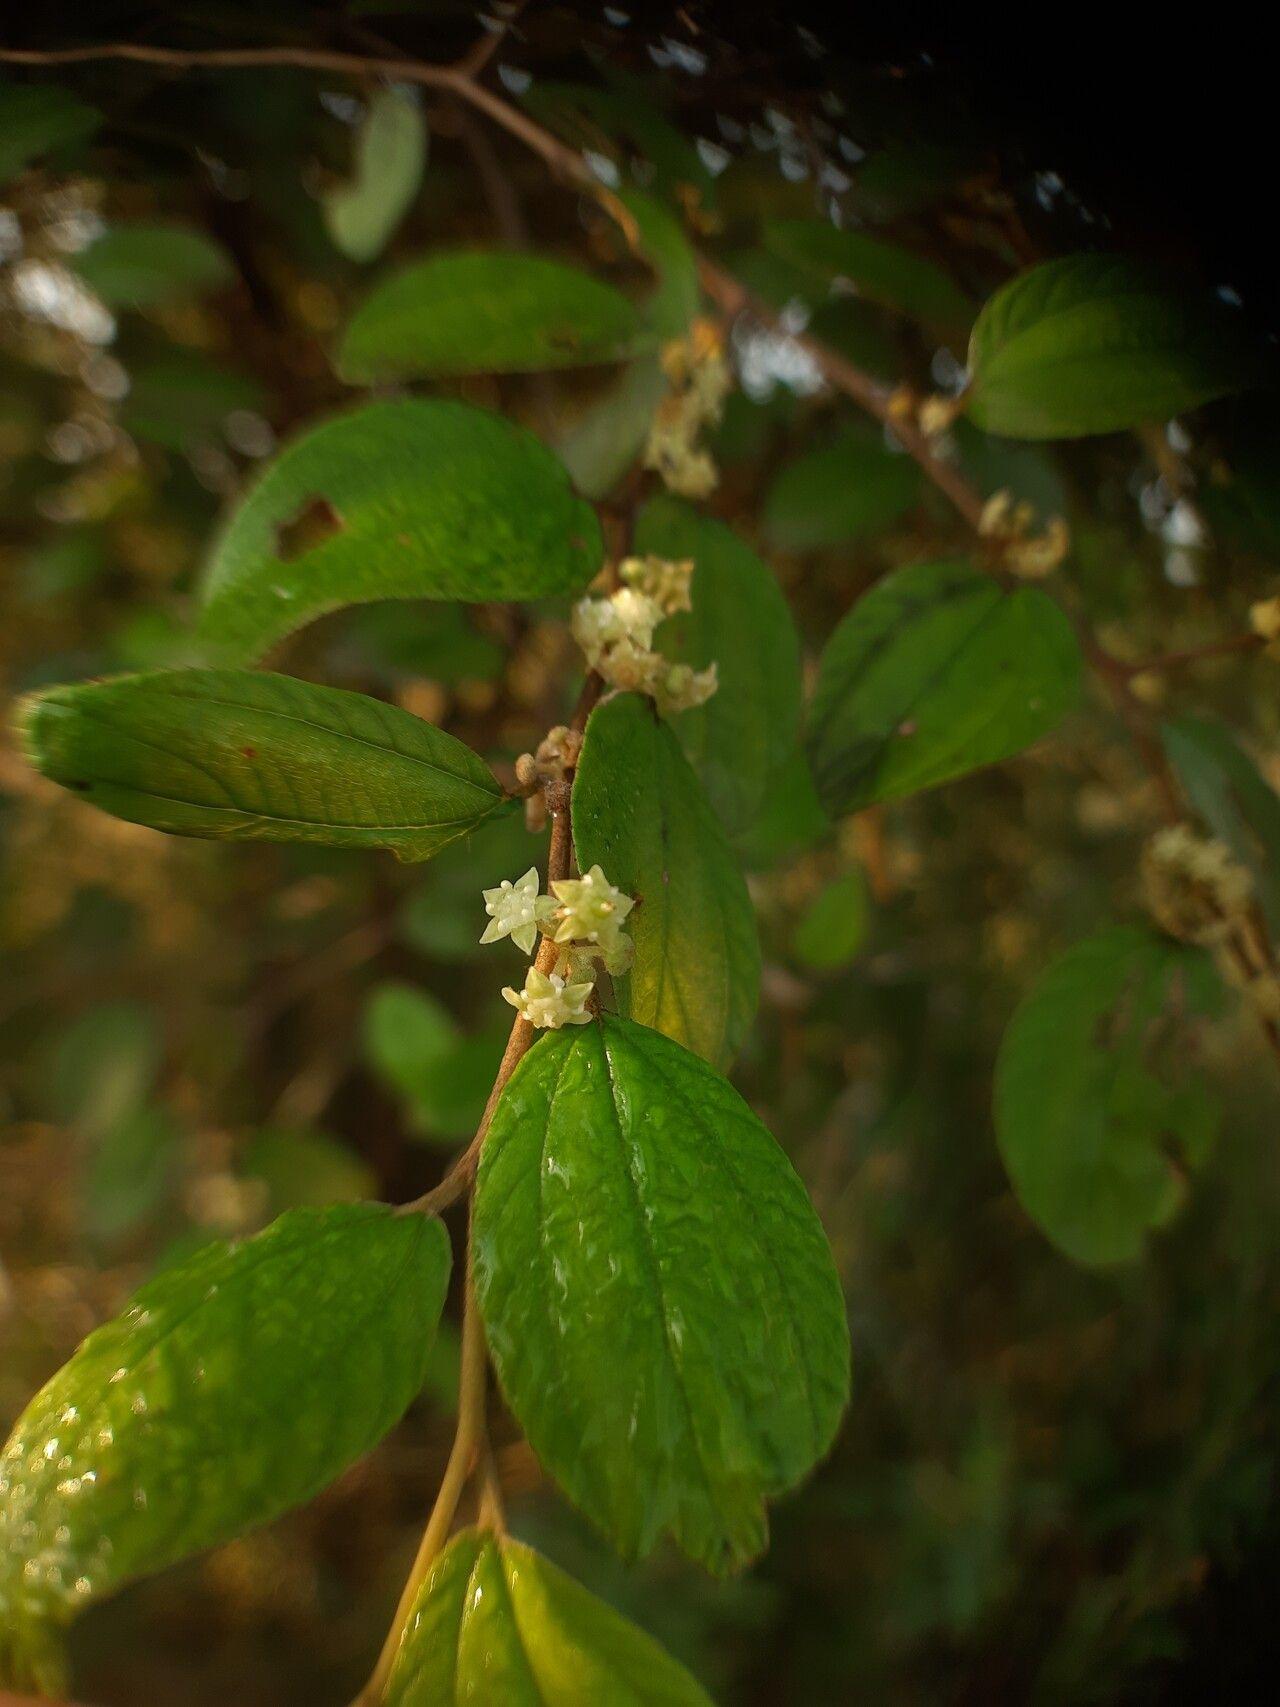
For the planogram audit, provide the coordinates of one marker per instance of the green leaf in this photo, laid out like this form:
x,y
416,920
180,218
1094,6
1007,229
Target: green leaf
x,y
881,271
660,1299
494,1621
1096,1143
36,118
1227,790
933,673
103,1066
741,738
486,311
415,1046
832,927
234,1386
666,248
641,814
390,155
306,1169
137,266
843,491
398,500
1094,344
602,445
182,397
240,756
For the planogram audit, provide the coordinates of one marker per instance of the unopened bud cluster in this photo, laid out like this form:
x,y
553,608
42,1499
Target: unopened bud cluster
x,y
583,916
616,634
700,381
1023,551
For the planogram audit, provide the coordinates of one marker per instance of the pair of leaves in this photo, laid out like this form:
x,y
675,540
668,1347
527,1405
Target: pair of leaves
x,y
1095,344
494,1621
881,271
933,673
397,500
660,1299
1096,1144
235,1386
640,813
242,756
740,739
390,156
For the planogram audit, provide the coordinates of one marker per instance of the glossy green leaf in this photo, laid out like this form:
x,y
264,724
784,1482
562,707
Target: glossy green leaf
x,y
246,756
933,673
398,500
390,154
1097,1140
881,271
660,1299
234,1386
137,266
36,118
495,1621
740,739
486,311
1228,791
832,928
640,813
1094,344
845,490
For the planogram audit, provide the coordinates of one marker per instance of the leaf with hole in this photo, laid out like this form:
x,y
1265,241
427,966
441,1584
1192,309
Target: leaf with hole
x,y
399,500
935,672
659,1296
390,155
275,1363
1098,1121
1095,344
740,739
487,311
235,755
640,813
495,1621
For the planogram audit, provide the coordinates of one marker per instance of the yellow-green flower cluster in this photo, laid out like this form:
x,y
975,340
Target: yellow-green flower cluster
x,y
616,634
700,381
583,917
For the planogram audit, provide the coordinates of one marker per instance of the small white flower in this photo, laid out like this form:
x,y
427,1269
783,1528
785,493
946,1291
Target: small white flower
x,y
591,909
548,1001
517,910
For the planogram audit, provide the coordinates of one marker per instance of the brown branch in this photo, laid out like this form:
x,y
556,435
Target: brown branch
x,y
1236,645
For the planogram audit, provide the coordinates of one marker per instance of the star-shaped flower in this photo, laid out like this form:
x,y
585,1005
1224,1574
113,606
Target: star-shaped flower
x,y
517,910
548,1001
591,909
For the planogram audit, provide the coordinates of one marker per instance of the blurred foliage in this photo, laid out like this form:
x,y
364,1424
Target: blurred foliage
x,y
1043,1466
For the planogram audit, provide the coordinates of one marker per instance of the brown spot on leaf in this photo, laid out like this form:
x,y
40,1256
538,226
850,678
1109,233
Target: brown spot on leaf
x,y
314,523
249,752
